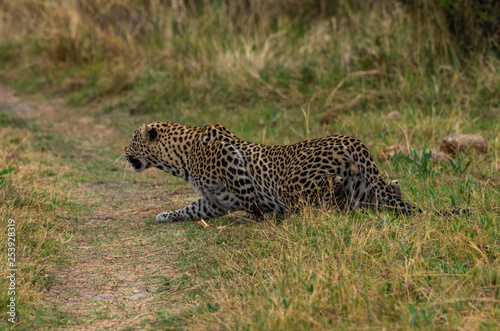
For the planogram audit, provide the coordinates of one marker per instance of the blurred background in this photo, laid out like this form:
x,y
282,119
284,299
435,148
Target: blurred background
x,y
263,61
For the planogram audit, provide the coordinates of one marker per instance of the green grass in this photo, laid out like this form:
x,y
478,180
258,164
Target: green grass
x,y
273,72
324,270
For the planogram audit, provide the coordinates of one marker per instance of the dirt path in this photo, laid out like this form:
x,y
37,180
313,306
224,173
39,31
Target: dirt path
x,y
119,267
117,263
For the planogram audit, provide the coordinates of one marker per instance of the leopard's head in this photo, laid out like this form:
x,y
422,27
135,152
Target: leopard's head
x,y
142,152
161,145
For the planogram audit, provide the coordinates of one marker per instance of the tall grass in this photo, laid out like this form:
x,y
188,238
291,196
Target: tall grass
x,y
347,55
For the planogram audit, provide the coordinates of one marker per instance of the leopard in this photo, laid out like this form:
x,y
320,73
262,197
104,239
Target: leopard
x,y
231,174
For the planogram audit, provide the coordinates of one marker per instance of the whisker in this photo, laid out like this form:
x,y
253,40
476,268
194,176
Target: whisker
x,y
125,166
119,158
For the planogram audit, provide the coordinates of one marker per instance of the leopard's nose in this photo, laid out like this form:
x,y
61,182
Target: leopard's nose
x,y
135,162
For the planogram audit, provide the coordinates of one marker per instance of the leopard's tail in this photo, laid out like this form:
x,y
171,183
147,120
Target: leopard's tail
x,y
455,211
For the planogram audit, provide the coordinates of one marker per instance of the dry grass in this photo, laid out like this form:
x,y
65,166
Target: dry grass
x,y
317,270
346,56
37,210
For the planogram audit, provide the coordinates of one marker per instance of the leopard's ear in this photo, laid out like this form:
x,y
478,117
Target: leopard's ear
x,y
148,133
144,132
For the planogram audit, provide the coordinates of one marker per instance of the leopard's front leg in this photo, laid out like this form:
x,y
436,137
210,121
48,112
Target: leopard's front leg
x,y
201,208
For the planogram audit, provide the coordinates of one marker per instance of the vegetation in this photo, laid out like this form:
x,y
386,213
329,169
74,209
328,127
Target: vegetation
x,y
90,253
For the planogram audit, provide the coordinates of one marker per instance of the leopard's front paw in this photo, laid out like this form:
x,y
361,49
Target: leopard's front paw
x,y
165,217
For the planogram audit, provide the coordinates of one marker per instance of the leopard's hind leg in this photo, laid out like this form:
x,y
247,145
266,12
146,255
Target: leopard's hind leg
x,y
395,187
334,192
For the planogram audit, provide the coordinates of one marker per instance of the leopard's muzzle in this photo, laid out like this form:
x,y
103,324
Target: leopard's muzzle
x,y
136,164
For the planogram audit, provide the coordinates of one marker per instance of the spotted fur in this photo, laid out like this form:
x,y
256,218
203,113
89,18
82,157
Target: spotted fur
x,y
232,174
